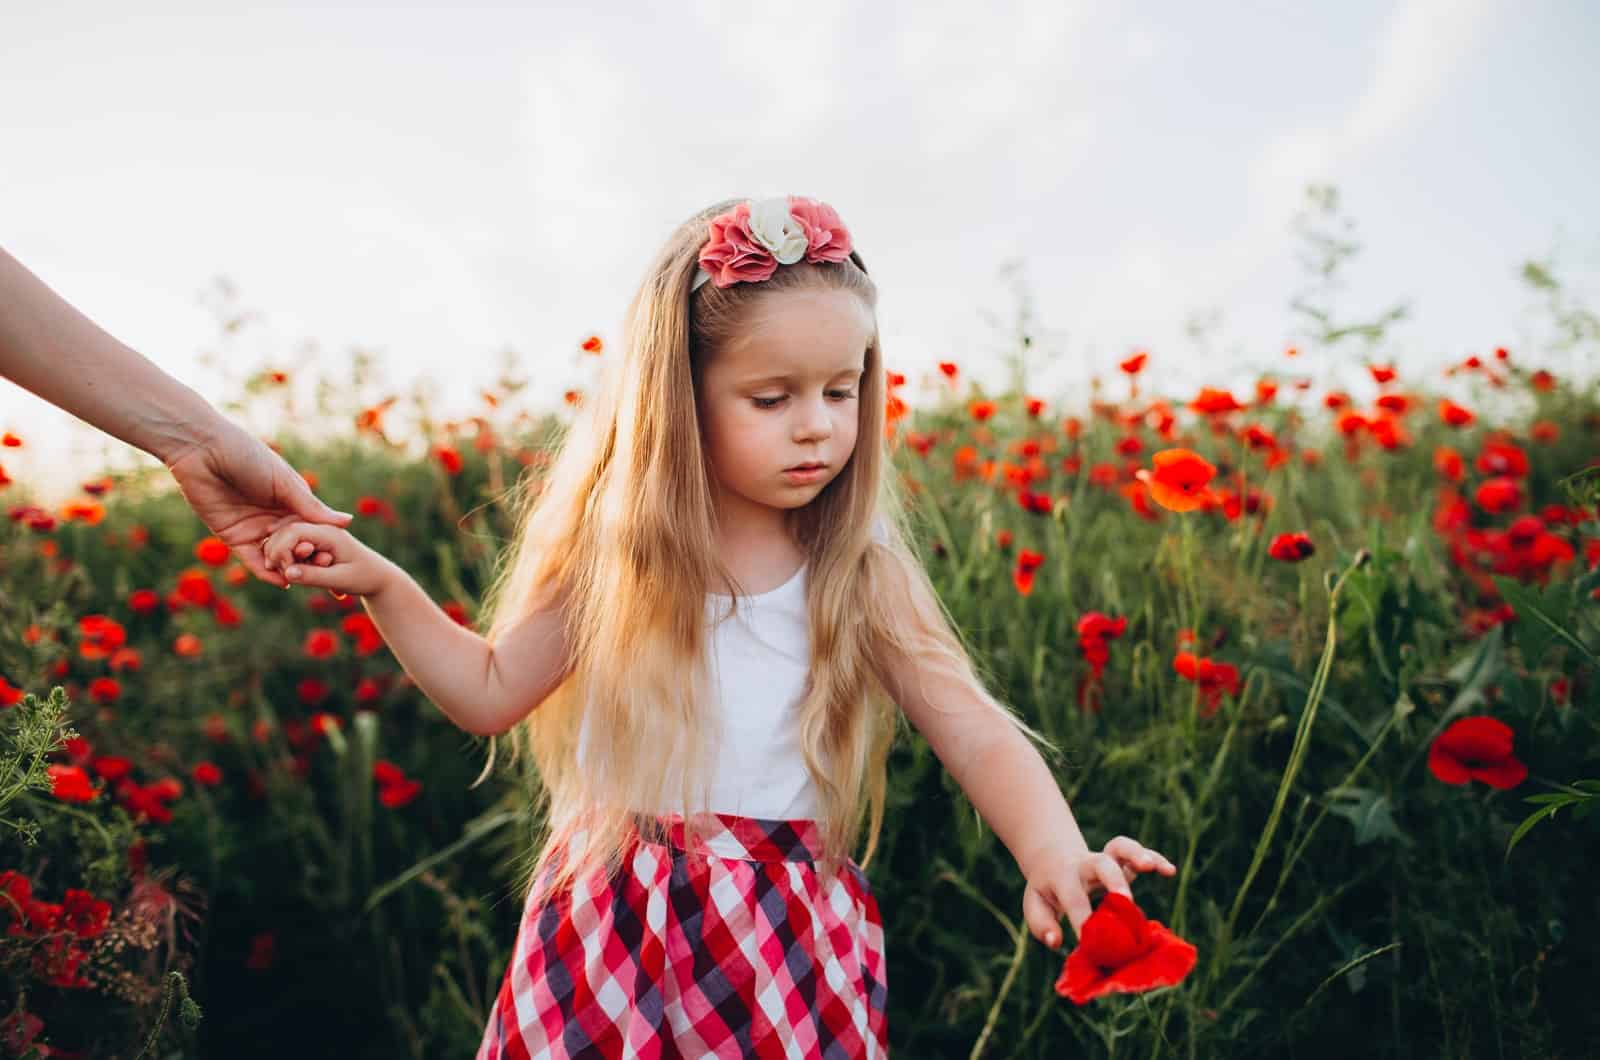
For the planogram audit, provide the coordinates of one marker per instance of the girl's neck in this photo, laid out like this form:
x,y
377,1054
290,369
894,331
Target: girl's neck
x,y
760,561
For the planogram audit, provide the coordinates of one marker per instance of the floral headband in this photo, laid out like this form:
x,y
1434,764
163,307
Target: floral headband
x,y
749,242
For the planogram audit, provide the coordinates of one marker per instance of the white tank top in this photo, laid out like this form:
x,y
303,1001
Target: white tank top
x,y
759,659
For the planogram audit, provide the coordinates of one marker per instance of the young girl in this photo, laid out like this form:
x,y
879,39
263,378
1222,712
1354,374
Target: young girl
x,y
706,650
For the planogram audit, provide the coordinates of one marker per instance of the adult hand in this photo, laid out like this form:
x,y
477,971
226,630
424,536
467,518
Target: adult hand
x,y
240,489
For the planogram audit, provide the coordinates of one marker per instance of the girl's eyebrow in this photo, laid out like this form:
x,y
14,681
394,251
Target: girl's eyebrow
x,y
781,377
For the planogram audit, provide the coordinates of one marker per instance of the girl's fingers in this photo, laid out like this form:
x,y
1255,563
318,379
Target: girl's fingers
x,y
286,545
1044,923
315,577
1138,858
1108,870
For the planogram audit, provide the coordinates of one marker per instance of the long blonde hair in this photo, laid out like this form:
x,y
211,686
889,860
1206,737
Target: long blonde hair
x,y
621,527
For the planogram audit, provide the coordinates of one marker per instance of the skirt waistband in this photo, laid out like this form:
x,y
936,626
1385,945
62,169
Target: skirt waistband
x,y
730,835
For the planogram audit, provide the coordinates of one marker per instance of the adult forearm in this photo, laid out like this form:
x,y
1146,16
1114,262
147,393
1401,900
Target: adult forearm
x,y
54,351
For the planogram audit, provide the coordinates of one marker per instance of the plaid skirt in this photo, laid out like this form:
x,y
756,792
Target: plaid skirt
x,y
747,951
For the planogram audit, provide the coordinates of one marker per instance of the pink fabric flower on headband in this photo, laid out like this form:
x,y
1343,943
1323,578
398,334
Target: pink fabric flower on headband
x,y
827,239
749,242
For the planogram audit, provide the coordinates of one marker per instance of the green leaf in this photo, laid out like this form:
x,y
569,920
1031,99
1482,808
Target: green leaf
x,y
1370,812
1522,829
1541,616
1475,670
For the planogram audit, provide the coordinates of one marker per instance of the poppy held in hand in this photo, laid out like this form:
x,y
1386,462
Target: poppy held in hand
x,y
1120,951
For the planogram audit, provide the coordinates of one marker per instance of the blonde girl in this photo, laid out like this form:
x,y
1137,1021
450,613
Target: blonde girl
x,y
705,654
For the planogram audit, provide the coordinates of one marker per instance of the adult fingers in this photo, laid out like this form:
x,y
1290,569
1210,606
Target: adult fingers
x,y
291,488
255,561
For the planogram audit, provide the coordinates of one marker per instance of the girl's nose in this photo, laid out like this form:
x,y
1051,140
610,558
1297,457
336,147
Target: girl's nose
x,y
816,423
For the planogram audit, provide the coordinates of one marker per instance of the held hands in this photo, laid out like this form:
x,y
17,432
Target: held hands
x,y
1061,883
344,565
240,488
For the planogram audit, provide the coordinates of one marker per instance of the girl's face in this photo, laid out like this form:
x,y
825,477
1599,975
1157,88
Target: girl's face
x,y
786,393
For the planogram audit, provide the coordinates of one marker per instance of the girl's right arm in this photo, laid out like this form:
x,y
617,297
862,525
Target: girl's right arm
x,y
484,688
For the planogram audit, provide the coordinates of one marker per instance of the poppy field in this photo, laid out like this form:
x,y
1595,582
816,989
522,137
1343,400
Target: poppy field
x,y
1331,649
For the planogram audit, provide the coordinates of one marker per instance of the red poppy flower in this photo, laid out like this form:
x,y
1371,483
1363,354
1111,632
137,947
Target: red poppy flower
x,y
397,795
448,458
1291,548
194,587
1121,951
1448,463
1179,480
84,914
1212,402
1454,415
1499,494
101,636
212,552
321,643
221,608
1215,679
112,767
126,659
70,783
1028,561
1499,457
1476,748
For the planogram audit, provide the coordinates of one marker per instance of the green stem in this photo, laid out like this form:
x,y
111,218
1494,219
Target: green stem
x,y
1293,929
1302,741
1294,854
1000,998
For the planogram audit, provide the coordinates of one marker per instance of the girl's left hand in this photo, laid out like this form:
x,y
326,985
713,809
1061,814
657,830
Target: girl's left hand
x,y
1061,885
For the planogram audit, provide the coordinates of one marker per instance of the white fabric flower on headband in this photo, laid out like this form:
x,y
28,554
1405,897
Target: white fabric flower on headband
x,y
749,242
776,229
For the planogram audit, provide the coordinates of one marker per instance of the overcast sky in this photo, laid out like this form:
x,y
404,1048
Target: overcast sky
x,y
440,184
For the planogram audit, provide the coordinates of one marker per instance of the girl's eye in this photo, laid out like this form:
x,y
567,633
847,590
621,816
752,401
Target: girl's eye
x,y
767,403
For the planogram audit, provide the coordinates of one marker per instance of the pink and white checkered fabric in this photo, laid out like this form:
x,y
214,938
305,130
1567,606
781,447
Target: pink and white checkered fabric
x,y
748,952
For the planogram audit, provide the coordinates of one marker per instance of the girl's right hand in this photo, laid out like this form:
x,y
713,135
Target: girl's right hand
x,y
356,569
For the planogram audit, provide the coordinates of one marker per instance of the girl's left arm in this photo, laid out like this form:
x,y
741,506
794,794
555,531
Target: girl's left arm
x,y
1010,785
